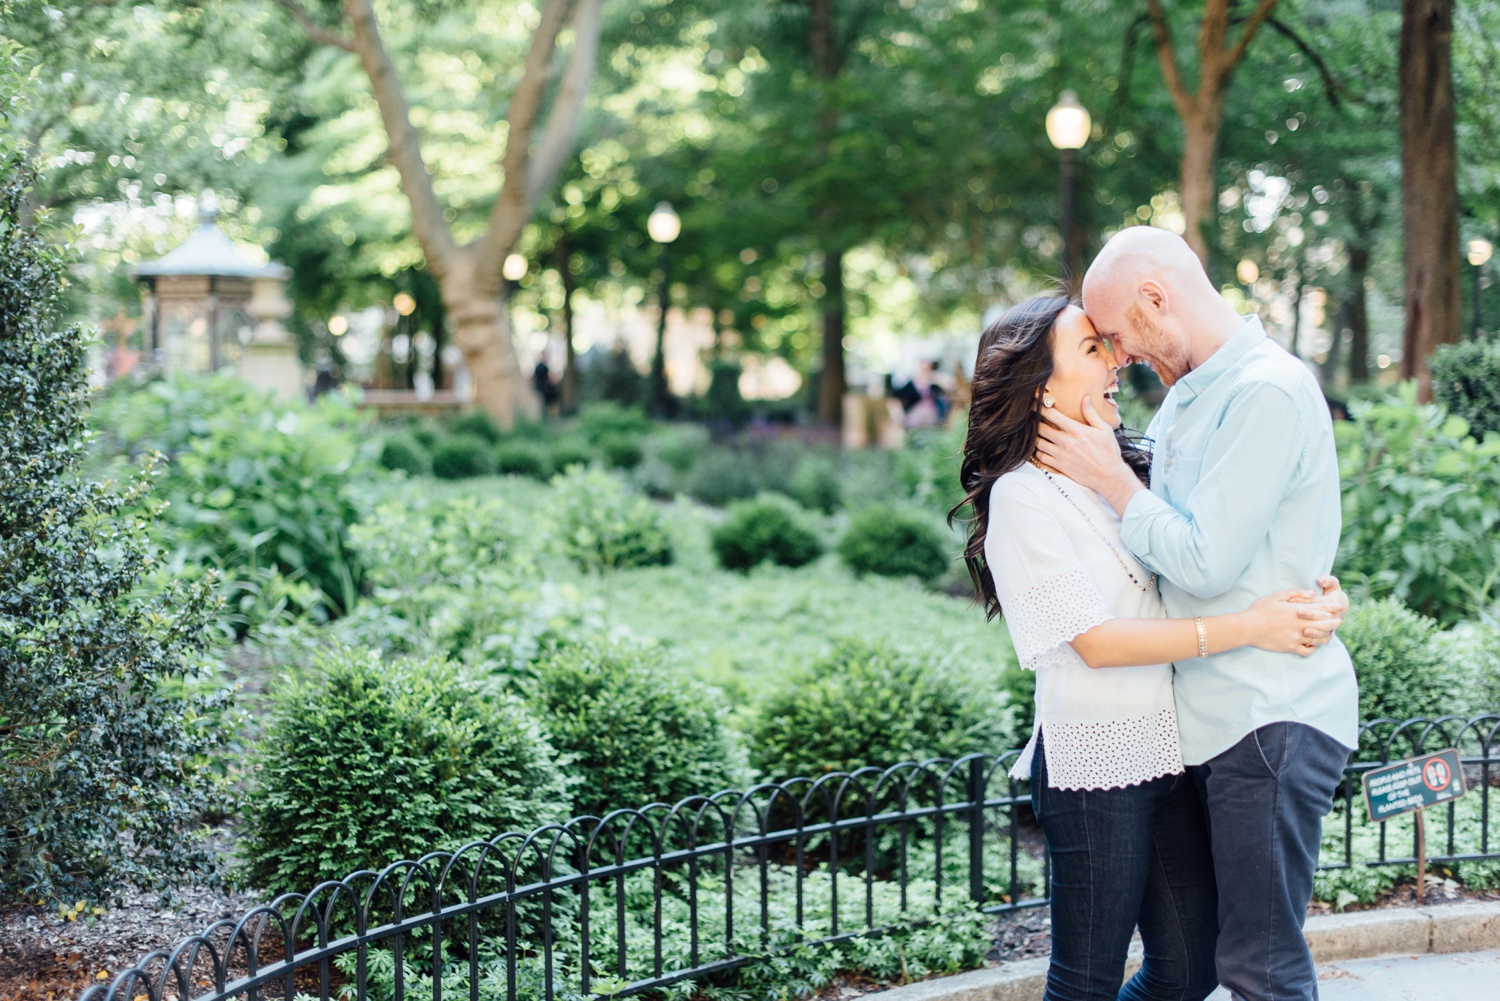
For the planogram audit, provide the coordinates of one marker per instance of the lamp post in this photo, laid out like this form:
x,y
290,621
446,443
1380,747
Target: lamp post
x,y
663,226
1068,125
1479,255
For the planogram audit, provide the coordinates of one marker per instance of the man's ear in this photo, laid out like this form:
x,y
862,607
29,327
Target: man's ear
x,y
1154,294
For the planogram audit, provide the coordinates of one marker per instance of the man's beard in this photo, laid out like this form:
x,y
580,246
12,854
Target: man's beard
x,y
1160,350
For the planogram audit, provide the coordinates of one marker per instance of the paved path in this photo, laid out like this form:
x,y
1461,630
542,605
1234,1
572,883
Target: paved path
x,y
1460,976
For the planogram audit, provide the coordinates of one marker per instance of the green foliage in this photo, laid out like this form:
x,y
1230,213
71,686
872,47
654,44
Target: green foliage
x,y
603,420
895,542
476,423
459,577
1466,380
816,484
405,453
1404,670
460,456
601,525
254,485
521,458
633,732
1421,508
677,446
768,529
874,705
104,751
722,475
571,451
366,762
621,450
723,403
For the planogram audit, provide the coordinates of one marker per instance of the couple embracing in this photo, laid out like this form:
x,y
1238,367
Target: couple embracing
x,y
1194,710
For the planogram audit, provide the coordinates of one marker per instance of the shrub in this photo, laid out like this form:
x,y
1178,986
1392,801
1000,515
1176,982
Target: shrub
x,y
612,377
677,446
518,458
1466,380
428,433
873,705
476,423
571,452
406,453
621,451
816,484
253,484
602,525
636,732
723,402
94,743
1400,659
460,456
770,528
1421,508
895,543
722,475
598,421
367,762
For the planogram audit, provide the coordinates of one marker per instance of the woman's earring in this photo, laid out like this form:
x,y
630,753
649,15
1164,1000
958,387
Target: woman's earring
x,y
1047,402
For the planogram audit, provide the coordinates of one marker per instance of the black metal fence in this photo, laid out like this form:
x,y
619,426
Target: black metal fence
x,y
642,899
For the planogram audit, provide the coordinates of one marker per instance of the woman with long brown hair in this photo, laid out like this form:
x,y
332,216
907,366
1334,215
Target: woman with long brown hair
x,y
1123,822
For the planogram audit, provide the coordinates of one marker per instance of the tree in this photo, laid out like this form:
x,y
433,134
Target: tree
x,y
1429,192
103,773
469,273
1202,111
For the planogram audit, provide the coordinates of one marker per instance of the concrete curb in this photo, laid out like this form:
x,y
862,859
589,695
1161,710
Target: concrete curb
x,y
1465,927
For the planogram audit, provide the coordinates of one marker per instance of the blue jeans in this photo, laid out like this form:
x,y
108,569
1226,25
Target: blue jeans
x,y
1266,798
1123,858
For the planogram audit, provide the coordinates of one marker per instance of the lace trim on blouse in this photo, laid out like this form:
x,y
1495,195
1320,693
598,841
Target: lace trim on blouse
x,y
1044,618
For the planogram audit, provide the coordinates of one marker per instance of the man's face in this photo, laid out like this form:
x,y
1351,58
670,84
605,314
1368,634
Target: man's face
x,y
1137,337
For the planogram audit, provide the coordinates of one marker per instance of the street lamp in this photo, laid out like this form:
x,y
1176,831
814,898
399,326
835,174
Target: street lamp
x,y
1479,254
663,225
1068,125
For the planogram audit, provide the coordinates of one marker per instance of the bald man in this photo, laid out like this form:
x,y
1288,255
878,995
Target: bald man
x,y
1244,501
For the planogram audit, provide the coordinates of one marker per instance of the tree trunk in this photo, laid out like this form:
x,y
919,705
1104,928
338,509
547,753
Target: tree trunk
x,y
1359,323
827,64
1328,372
568,392
1202,111
1200,155
1429,190
831,382
482,331
1296,313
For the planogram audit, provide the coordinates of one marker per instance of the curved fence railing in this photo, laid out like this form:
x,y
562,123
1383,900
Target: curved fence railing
x,y
642,899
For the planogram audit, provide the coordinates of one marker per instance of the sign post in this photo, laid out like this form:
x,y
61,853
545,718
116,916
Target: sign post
x,y
1412,786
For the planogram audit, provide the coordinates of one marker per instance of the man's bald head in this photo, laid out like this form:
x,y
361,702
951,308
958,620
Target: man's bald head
x,y
1139,254
1147,291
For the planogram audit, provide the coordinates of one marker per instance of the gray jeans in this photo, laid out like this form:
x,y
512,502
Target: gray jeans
x,y
1266,798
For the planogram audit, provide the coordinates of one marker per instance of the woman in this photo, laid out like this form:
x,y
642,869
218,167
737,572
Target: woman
x,y
1123,822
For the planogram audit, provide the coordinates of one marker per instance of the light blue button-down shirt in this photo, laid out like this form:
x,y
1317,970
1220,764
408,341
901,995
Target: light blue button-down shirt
x,y
1244,501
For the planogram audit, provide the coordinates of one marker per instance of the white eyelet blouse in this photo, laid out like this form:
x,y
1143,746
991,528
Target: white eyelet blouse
x,y
1057,578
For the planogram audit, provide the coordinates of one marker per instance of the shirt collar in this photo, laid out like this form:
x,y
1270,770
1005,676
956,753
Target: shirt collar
x,y
1221,361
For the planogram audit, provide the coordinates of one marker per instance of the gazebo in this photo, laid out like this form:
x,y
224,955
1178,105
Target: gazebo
x,y
206,307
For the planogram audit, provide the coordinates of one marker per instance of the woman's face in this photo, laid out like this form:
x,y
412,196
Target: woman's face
x,y
1082,365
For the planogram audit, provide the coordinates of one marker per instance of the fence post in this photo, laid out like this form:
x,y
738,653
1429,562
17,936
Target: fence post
x,y
976,829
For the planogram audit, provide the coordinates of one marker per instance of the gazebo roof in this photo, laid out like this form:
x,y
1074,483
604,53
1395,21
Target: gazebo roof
x,y
207,252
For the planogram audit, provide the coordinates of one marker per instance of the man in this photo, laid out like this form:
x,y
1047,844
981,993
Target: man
x,y
1244,500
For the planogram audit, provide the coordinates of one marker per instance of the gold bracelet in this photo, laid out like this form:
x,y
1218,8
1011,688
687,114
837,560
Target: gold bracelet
x,y
1202,635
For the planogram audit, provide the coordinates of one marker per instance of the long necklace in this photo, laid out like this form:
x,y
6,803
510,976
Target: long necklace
x,y
1090,521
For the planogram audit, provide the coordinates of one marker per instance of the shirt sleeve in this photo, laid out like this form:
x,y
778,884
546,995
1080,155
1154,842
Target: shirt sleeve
x,y
1047,595
1205,543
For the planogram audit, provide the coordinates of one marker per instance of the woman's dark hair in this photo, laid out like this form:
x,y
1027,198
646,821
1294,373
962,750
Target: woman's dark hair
x,y
1005,413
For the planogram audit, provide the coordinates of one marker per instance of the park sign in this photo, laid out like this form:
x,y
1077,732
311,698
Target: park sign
x,y
1413,784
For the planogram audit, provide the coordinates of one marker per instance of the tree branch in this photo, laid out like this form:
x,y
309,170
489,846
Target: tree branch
x,y
1252,25
562,122
1127,63
1166,54
405,142
510,210
1330,85
322,34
